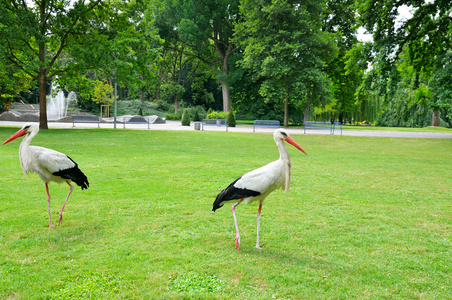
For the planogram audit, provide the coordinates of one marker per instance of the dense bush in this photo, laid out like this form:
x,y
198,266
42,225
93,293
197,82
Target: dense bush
x,y
185,118
231,119
173,116
196,117
132,107
217,115
199,110
401,114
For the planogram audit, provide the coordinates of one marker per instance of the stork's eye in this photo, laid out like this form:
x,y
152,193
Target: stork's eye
x,y
284,134
26,127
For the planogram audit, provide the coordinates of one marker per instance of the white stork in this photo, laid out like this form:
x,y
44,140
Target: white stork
x,y
49,164
257,184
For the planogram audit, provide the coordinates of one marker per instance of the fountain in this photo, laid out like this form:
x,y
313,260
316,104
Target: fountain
x,y
57,107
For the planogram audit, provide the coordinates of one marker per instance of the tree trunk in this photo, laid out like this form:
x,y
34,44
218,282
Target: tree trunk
x,y
42,101
307,111
286,111
42,80
176,103
224,55
110,83
341,117
226,97
435,118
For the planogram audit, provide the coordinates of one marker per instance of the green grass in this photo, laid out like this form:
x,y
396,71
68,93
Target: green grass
x,y
366,218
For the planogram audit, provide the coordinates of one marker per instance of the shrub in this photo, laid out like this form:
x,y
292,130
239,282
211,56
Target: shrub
x,y
196,117
231,119
130,107
173,117
217,115
185,118
140,112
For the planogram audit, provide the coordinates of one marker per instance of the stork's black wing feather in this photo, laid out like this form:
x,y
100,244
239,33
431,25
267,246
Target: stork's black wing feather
x,y
233,193
74,174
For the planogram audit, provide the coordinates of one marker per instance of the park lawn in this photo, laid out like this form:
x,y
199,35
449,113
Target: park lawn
x,y
365,218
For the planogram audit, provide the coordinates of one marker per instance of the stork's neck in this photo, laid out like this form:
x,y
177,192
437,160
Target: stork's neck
x,y
25,144
284,154
284,157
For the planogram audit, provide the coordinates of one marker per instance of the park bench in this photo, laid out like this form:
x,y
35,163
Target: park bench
x,y
339,125
135,120
214,122
318,125
85,119
265,123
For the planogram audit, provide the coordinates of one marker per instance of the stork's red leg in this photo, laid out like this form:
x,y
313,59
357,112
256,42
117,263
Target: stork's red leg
x,y
48,204
237,237
258,225
61,211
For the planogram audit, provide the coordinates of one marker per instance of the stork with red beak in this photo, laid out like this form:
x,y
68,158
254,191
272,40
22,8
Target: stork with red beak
x,y
258,184
49,164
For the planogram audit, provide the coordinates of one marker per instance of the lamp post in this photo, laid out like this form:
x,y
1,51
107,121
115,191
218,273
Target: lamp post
x,y
115,105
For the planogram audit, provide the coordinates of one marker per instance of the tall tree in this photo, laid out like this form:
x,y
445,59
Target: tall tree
x,y
286,49
339,19
34,35
426,36
207,27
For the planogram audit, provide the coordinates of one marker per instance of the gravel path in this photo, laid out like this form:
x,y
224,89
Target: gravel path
x,y
176,125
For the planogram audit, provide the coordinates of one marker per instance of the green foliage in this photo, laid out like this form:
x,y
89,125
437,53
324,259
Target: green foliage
x,y
231,119
102,93
185,118
196,117
130,107
413,51
41,47
289,71
217,115
441,83
140,112
12,82
177,116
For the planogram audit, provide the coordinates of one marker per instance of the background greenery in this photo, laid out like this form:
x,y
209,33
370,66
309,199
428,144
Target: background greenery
x,y
365,218
284,60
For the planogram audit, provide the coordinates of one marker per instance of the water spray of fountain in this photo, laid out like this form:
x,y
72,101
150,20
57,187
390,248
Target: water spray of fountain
x,y
57,106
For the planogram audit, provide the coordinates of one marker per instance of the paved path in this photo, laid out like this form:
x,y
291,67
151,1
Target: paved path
x,y
176,125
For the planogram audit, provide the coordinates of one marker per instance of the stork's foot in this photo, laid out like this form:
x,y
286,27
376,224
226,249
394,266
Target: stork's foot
x,y
258,247
237,242
60,220
50,226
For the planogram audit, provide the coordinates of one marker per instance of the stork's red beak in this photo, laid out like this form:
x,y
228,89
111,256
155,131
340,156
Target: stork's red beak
x,y
21,132
295,144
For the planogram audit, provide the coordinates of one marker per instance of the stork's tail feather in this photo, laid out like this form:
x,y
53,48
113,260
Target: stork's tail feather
x,y
74,174
233,193
81,181
217,204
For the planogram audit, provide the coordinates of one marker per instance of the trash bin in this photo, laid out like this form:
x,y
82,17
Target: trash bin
x,y
197,125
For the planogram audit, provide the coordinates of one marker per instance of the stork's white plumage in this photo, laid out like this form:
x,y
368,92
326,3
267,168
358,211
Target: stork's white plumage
x,y
256,185
49,164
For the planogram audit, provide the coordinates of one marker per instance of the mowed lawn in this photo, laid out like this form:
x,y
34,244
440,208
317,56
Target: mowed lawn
x,y
366,218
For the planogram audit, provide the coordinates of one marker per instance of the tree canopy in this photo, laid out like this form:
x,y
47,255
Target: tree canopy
x,y
287,60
